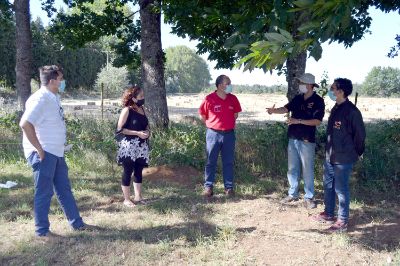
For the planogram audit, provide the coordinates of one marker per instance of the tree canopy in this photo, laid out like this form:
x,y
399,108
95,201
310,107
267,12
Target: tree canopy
x,y
271,35
342,21
185,71
382,81
80,65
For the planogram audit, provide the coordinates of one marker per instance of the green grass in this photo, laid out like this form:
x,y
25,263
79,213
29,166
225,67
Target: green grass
x,y
178,227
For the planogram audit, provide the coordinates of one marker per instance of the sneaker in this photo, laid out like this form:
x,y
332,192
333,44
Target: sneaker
x,y
48,237
87,227
288,199
310,204
208,192
338,227
323,218
229,192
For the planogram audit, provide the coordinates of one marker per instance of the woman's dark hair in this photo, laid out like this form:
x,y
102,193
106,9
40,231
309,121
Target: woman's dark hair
x,y
345,85
129,93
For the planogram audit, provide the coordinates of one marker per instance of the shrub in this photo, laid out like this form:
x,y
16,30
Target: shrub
x,y
114,79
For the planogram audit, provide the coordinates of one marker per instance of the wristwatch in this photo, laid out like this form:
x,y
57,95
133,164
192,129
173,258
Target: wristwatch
x,y
299,121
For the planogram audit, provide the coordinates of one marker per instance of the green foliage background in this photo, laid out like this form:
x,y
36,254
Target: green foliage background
x,y
261,151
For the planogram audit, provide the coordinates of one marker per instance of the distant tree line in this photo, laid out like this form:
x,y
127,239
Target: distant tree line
x,y
80,65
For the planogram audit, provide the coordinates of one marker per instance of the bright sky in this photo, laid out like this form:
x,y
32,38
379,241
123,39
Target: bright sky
x,y
353,63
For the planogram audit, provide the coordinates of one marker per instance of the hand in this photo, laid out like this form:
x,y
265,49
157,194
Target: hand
x,y
68,147
293,121
41,154
143,134
271,110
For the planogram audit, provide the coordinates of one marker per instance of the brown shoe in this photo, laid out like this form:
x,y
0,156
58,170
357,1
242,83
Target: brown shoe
x,y
229,192
208,192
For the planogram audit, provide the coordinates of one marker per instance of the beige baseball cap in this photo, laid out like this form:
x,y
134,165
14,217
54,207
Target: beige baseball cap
x,y
308,78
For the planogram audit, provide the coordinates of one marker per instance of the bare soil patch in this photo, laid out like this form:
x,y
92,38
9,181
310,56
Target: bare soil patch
x,y
185,176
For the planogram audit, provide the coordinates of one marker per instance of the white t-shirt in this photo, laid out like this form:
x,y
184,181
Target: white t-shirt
x,y
43,110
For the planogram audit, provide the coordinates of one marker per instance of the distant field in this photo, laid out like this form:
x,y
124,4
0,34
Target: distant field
x,y
253,105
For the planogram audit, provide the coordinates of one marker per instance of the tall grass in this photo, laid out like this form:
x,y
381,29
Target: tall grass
x,y
261,151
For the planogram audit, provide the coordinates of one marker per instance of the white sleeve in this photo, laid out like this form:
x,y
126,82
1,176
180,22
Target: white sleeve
x,y
34,111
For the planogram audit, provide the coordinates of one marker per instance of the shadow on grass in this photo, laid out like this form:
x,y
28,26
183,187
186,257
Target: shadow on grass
x,y
372,228
15,202
56,252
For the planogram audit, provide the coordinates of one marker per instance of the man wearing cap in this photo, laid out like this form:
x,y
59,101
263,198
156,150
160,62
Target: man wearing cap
x,y
307,111
219,112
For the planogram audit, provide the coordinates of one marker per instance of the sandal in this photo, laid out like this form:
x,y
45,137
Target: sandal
x,y
140,202
129,204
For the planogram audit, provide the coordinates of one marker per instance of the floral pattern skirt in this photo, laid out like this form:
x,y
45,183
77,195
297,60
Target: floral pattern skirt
x,y
133,149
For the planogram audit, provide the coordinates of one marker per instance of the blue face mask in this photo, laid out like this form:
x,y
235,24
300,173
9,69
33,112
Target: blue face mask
x,y
332,95
228,88
61,88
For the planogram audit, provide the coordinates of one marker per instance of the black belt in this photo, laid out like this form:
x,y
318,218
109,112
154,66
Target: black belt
x,y
222,131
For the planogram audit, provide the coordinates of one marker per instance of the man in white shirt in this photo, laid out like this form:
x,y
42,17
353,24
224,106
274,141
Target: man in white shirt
x,y
44,137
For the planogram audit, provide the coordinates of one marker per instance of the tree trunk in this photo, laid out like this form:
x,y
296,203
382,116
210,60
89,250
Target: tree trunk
x,y
295,67
23,66
153,63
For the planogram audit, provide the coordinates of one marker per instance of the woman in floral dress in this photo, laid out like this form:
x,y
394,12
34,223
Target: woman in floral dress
x,y
133,149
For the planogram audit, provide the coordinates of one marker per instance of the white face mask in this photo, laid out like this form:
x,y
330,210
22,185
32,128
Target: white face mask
x,y
303,88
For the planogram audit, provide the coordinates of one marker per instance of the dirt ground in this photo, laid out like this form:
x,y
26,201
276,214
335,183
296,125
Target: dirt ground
x,y
269,233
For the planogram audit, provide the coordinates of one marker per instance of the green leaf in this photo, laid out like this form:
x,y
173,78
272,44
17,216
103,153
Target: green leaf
x,y
240,46
316,51
273,36
308,26
286,34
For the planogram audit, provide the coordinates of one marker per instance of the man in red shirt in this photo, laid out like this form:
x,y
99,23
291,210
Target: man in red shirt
x,y
219,112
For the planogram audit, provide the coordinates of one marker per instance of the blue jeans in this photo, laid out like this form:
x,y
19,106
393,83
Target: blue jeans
x,y
51,175
301,156
217,142
336,181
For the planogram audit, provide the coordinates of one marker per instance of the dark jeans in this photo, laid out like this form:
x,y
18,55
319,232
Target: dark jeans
x,y
336,182
51,175
217,142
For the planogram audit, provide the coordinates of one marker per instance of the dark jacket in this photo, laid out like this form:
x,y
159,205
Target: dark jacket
x,y
345,134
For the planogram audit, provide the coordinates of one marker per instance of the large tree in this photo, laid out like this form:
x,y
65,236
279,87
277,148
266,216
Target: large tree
x,y
7,44
227,29
272,35
153,62
23,45
76,29
342,21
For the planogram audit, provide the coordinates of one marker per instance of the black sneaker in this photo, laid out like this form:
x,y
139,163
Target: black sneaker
x,y
310,204
87,227
288,199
